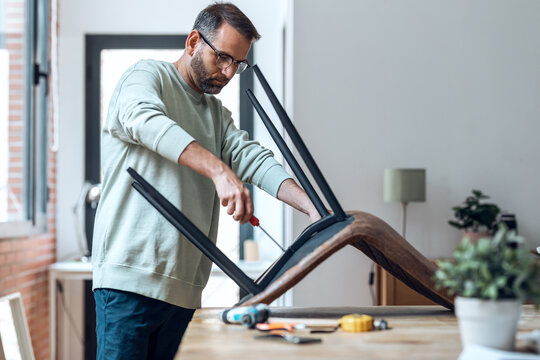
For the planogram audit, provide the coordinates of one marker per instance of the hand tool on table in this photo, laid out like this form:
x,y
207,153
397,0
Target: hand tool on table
x,y
248,316
282,335
256,223
349,323
290,327
361,323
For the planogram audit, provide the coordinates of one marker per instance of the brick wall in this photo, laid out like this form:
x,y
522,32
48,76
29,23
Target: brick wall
x,y
24,261
23,269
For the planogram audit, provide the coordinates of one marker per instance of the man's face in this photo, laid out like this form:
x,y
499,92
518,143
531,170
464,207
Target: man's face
x,y
210,78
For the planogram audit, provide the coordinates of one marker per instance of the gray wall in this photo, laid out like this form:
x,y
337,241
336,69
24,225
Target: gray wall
x,y
450,86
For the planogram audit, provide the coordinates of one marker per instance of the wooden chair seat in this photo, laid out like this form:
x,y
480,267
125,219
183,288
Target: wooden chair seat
x,y
381,243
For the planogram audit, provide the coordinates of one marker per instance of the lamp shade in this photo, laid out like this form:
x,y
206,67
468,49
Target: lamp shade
x,y
404,185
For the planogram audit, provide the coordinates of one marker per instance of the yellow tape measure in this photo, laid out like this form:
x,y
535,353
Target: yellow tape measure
x,y
356,323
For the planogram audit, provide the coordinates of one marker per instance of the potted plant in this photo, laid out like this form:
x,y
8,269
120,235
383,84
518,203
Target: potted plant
x,y
491,279
476,219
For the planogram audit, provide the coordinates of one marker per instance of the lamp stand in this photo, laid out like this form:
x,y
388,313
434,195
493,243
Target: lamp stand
x,y
404,219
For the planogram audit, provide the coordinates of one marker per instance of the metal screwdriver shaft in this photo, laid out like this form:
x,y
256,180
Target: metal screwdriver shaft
x,y
255,222
271,238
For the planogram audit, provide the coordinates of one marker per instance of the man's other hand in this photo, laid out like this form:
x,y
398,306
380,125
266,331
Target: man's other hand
x,y
290,193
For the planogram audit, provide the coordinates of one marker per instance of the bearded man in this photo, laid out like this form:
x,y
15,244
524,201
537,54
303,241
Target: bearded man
x,y
164,122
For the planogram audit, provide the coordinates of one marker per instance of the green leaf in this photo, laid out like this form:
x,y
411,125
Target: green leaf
x,y
501,281
491,291
484,246
469,288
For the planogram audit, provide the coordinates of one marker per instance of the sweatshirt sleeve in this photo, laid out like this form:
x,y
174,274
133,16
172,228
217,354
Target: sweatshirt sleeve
x,y
141,116
252,163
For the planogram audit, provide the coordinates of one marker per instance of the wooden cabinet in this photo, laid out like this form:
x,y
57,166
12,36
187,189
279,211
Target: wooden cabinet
x,y
391,291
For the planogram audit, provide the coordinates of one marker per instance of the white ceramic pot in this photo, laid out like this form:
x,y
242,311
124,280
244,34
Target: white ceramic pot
x,y
487,322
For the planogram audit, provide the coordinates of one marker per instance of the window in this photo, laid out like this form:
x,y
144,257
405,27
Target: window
x,y
23,116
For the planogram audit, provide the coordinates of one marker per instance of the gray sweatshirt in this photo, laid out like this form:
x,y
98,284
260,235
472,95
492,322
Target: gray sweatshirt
x,y
153,115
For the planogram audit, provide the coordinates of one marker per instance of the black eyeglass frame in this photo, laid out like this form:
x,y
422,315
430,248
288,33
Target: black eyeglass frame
x,y
242,64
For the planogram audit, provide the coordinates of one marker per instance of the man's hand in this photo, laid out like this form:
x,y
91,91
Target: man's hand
x,y
230,189
290,193
234,195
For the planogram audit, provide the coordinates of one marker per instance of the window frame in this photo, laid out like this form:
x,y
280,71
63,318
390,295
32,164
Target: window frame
x,y
35,193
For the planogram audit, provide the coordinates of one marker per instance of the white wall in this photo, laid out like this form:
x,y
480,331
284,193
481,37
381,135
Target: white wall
x,y
450,86
78,18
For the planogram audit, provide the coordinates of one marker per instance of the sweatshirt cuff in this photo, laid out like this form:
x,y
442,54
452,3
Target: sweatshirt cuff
x,y
272,179
173,142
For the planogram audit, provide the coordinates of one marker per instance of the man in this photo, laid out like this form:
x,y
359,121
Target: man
x,y
148,278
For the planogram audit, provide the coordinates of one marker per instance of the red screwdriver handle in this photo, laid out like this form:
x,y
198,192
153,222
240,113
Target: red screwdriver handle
x,y
254,221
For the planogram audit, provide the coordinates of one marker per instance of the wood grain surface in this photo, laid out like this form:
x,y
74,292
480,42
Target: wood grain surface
x,y
417,332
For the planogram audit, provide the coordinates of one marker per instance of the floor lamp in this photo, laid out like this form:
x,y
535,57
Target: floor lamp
x,y
404,186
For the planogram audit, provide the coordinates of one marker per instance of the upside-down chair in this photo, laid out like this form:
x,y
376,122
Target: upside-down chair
x,y
318,241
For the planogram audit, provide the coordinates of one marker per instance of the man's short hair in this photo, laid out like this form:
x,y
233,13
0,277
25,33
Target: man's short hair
x,y
212,17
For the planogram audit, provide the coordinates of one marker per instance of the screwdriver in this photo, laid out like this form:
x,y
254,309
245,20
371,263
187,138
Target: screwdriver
x,y
255,222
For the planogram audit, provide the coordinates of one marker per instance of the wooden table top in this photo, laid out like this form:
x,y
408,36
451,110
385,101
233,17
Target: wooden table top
x,y
417,332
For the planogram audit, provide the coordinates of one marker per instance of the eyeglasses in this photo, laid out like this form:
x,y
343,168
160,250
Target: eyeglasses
x,y
223,61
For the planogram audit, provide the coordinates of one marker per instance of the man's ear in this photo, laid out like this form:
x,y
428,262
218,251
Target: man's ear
x,y
193,42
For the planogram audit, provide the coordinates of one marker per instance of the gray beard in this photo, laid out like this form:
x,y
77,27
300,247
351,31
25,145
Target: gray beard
x,y
202,76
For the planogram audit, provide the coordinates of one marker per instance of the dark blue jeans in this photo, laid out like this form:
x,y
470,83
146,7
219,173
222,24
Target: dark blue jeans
x,y
132,326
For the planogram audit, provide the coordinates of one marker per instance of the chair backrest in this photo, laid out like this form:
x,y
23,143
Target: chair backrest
x,y
339,214
14,335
